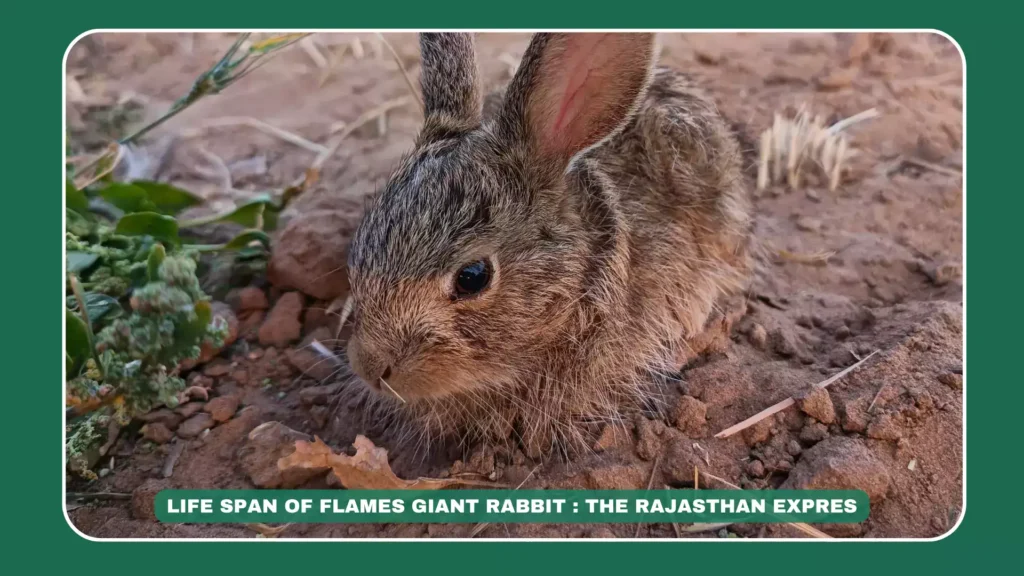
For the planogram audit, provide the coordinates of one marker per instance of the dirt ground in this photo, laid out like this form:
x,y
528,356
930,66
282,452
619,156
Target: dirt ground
x,y
893,427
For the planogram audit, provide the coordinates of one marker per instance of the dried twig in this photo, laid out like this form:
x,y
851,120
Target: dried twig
x,y
258,125
650,482
815,258
785,403
401,68
309,47
344,131
930,166
97,496
172,458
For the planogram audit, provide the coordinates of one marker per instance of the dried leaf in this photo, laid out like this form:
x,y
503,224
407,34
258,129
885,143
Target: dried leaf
x,y
367,470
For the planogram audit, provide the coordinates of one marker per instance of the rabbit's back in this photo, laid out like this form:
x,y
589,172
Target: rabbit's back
x,y
677,169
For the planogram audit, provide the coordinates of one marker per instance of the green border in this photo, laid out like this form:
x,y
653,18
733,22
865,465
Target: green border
x,y
37,36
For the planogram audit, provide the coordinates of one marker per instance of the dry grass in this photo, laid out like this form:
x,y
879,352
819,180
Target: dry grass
x,y
795,148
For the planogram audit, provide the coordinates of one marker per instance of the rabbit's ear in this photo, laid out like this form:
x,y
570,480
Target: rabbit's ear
x,y
451,93
574,90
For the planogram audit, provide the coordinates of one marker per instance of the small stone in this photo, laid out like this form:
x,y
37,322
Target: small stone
x,y
839,463
310,252
164,416
690,416
248,299
190,409
812,195
143,503
855,415
201,380
884,427
842,333
222,408
157,432
954,381
217,369
195,425
310,363
282,325
264,446
793,448
808,224
758,336
250,322
818,404
755,469
602,532
239,376
318,395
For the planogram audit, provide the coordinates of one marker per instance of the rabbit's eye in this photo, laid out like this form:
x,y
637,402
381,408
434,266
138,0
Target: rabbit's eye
x,y
472,278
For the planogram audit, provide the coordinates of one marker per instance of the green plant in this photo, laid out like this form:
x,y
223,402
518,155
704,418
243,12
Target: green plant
x,y
134,308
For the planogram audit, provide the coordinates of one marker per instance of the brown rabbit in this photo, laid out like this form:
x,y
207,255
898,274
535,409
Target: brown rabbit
x,y
527,272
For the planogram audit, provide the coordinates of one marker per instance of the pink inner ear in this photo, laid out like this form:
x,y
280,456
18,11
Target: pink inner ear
x,y
586,85
581,61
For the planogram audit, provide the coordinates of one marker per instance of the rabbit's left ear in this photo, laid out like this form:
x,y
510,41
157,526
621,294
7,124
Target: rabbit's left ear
x,y
574,90
451,93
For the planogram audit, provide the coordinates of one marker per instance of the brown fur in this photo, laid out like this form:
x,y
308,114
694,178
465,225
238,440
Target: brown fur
x,y
610,198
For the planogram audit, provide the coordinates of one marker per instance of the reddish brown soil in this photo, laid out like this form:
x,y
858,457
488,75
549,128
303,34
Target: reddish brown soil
x,y
894,427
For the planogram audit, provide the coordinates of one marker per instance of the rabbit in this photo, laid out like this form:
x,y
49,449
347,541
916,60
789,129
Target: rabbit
x,y
524,272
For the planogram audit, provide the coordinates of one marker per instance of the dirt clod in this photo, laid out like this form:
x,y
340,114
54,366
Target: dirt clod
x,y
617,477
648,444
758,336
817,404
678,462
840,463
884,427
758,433
954,381
690,416
813,432
143,498
855,415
